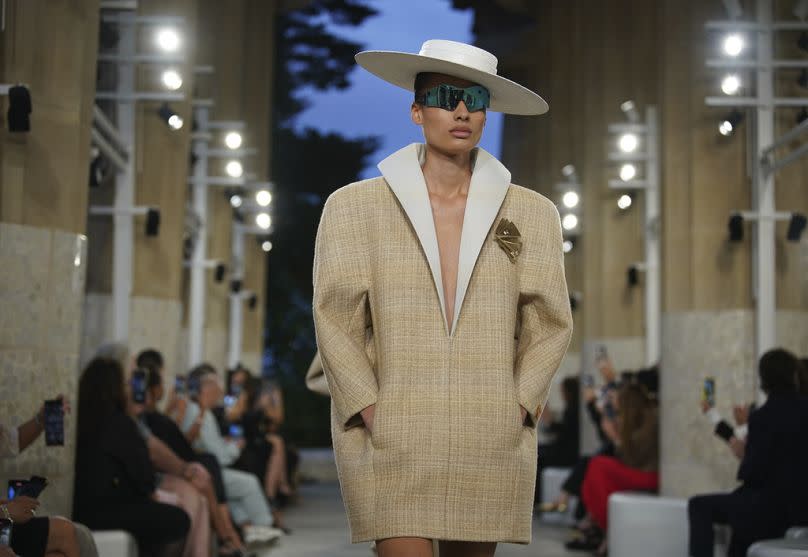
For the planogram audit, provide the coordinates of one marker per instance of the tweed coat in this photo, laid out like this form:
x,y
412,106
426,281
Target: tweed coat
x,y
449,457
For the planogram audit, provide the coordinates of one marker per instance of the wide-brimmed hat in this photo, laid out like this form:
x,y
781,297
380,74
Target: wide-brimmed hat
x,y
458,60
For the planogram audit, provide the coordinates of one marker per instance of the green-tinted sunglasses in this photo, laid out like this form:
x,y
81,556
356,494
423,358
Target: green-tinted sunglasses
x,y
448,97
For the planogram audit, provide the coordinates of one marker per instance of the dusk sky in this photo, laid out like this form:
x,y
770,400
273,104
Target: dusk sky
x,y
373,107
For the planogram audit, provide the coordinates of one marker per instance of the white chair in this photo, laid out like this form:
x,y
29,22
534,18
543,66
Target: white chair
x,y
115,543
641,524
779,548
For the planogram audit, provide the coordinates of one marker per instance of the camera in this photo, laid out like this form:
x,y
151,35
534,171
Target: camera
x,y
179,385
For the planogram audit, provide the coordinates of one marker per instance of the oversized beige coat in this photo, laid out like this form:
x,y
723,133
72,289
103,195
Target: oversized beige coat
x,y
449,457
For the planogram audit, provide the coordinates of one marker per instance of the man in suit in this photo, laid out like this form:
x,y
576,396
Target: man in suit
x,y
772,471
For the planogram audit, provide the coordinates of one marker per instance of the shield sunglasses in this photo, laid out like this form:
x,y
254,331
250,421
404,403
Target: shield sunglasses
x,y
448,97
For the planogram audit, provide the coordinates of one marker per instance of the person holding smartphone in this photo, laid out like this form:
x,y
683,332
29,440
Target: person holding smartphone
x,y
32,535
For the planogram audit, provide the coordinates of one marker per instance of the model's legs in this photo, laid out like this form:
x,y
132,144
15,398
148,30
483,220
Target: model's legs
x,y
467,549
404,547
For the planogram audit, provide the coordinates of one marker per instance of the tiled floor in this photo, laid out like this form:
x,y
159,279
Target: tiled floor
x,y
320,529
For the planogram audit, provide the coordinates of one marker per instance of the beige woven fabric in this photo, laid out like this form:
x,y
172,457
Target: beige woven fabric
x,y
449,457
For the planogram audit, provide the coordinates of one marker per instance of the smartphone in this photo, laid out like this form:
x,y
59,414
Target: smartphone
x,y
138,384
708,391
14,487
5,532
724,430
33,487
588,380
236,431
179,385
54,423
192,385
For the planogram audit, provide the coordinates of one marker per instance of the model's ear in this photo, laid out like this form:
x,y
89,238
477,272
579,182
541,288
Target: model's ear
x,y
416,113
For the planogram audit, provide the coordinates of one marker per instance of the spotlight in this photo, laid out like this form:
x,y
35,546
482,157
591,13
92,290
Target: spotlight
x,y
795,227
735,226
731,84
802,80
570,199
172,79
568,171
252,302
235,286
98,167
624,202
802,115
568,245
263,198
628,142
219,271
168,39
266,245
569,222
630,110
233,140
263,220
627,172
235,201
170,117
733,44
730,123
234,169
153,222
802,42
633,276
19,109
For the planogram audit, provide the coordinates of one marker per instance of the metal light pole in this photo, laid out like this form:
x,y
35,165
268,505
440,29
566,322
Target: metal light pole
x,y
764,143
651,265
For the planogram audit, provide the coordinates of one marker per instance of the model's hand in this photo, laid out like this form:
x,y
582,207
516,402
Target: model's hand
x,y
22,509
367,416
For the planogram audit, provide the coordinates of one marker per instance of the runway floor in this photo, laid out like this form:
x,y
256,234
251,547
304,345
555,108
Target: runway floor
x,y
320,529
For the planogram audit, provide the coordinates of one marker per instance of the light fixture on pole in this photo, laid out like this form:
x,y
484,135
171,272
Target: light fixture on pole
x,y
168,39
171,79
233,140
639,171
234,169
570,189
730,123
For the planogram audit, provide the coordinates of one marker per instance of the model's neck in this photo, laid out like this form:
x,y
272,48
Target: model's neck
x,y
447,174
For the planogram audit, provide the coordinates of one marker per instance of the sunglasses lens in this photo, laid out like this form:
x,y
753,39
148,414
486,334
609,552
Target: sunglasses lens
x,y
448,97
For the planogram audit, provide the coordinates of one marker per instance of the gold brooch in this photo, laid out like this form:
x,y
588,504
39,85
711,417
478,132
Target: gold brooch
x,y
509,239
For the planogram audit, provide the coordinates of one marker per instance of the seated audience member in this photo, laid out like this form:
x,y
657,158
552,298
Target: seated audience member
x,y
773,468
564,448
248,505
802,377
34,536
115,487
270,402
633,468
598,406
180,483
167,431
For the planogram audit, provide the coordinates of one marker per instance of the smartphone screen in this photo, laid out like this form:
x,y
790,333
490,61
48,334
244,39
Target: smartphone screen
x,y
54,423
193,385
5,532
236,431
179,385
708,392
14,487
138,384
724,431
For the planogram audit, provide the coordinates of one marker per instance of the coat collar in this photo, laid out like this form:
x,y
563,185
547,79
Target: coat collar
x,y
489,184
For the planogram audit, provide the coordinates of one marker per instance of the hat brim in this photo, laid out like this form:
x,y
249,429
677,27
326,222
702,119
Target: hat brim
x,y
400,68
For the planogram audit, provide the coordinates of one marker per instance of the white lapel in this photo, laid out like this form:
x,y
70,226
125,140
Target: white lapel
x,y
403,173
489,185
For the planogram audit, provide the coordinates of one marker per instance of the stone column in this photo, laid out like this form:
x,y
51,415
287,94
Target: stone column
x,y
43,200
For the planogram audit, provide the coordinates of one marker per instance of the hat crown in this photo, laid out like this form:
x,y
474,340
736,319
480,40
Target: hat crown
x,y
460,53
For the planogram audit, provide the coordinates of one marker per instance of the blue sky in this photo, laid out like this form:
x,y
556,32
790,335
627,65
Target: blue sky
x,y
373,107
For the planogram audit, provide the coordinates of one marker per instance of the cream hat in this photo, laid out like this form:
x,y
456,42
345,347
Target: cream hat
x,y
458,60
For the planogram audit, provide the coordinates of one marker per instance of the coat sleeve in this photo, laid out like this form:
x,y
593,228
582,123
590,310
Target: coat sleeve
x,y
544,314
340,306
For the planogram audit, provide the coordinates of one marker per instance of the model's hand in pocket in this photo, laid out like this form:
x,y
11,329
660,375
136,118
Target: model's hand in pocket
x,y
523,413
367,416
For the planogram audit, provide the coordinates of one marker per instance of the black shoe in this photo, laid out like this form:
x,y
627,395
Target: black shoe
x,y
589,541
